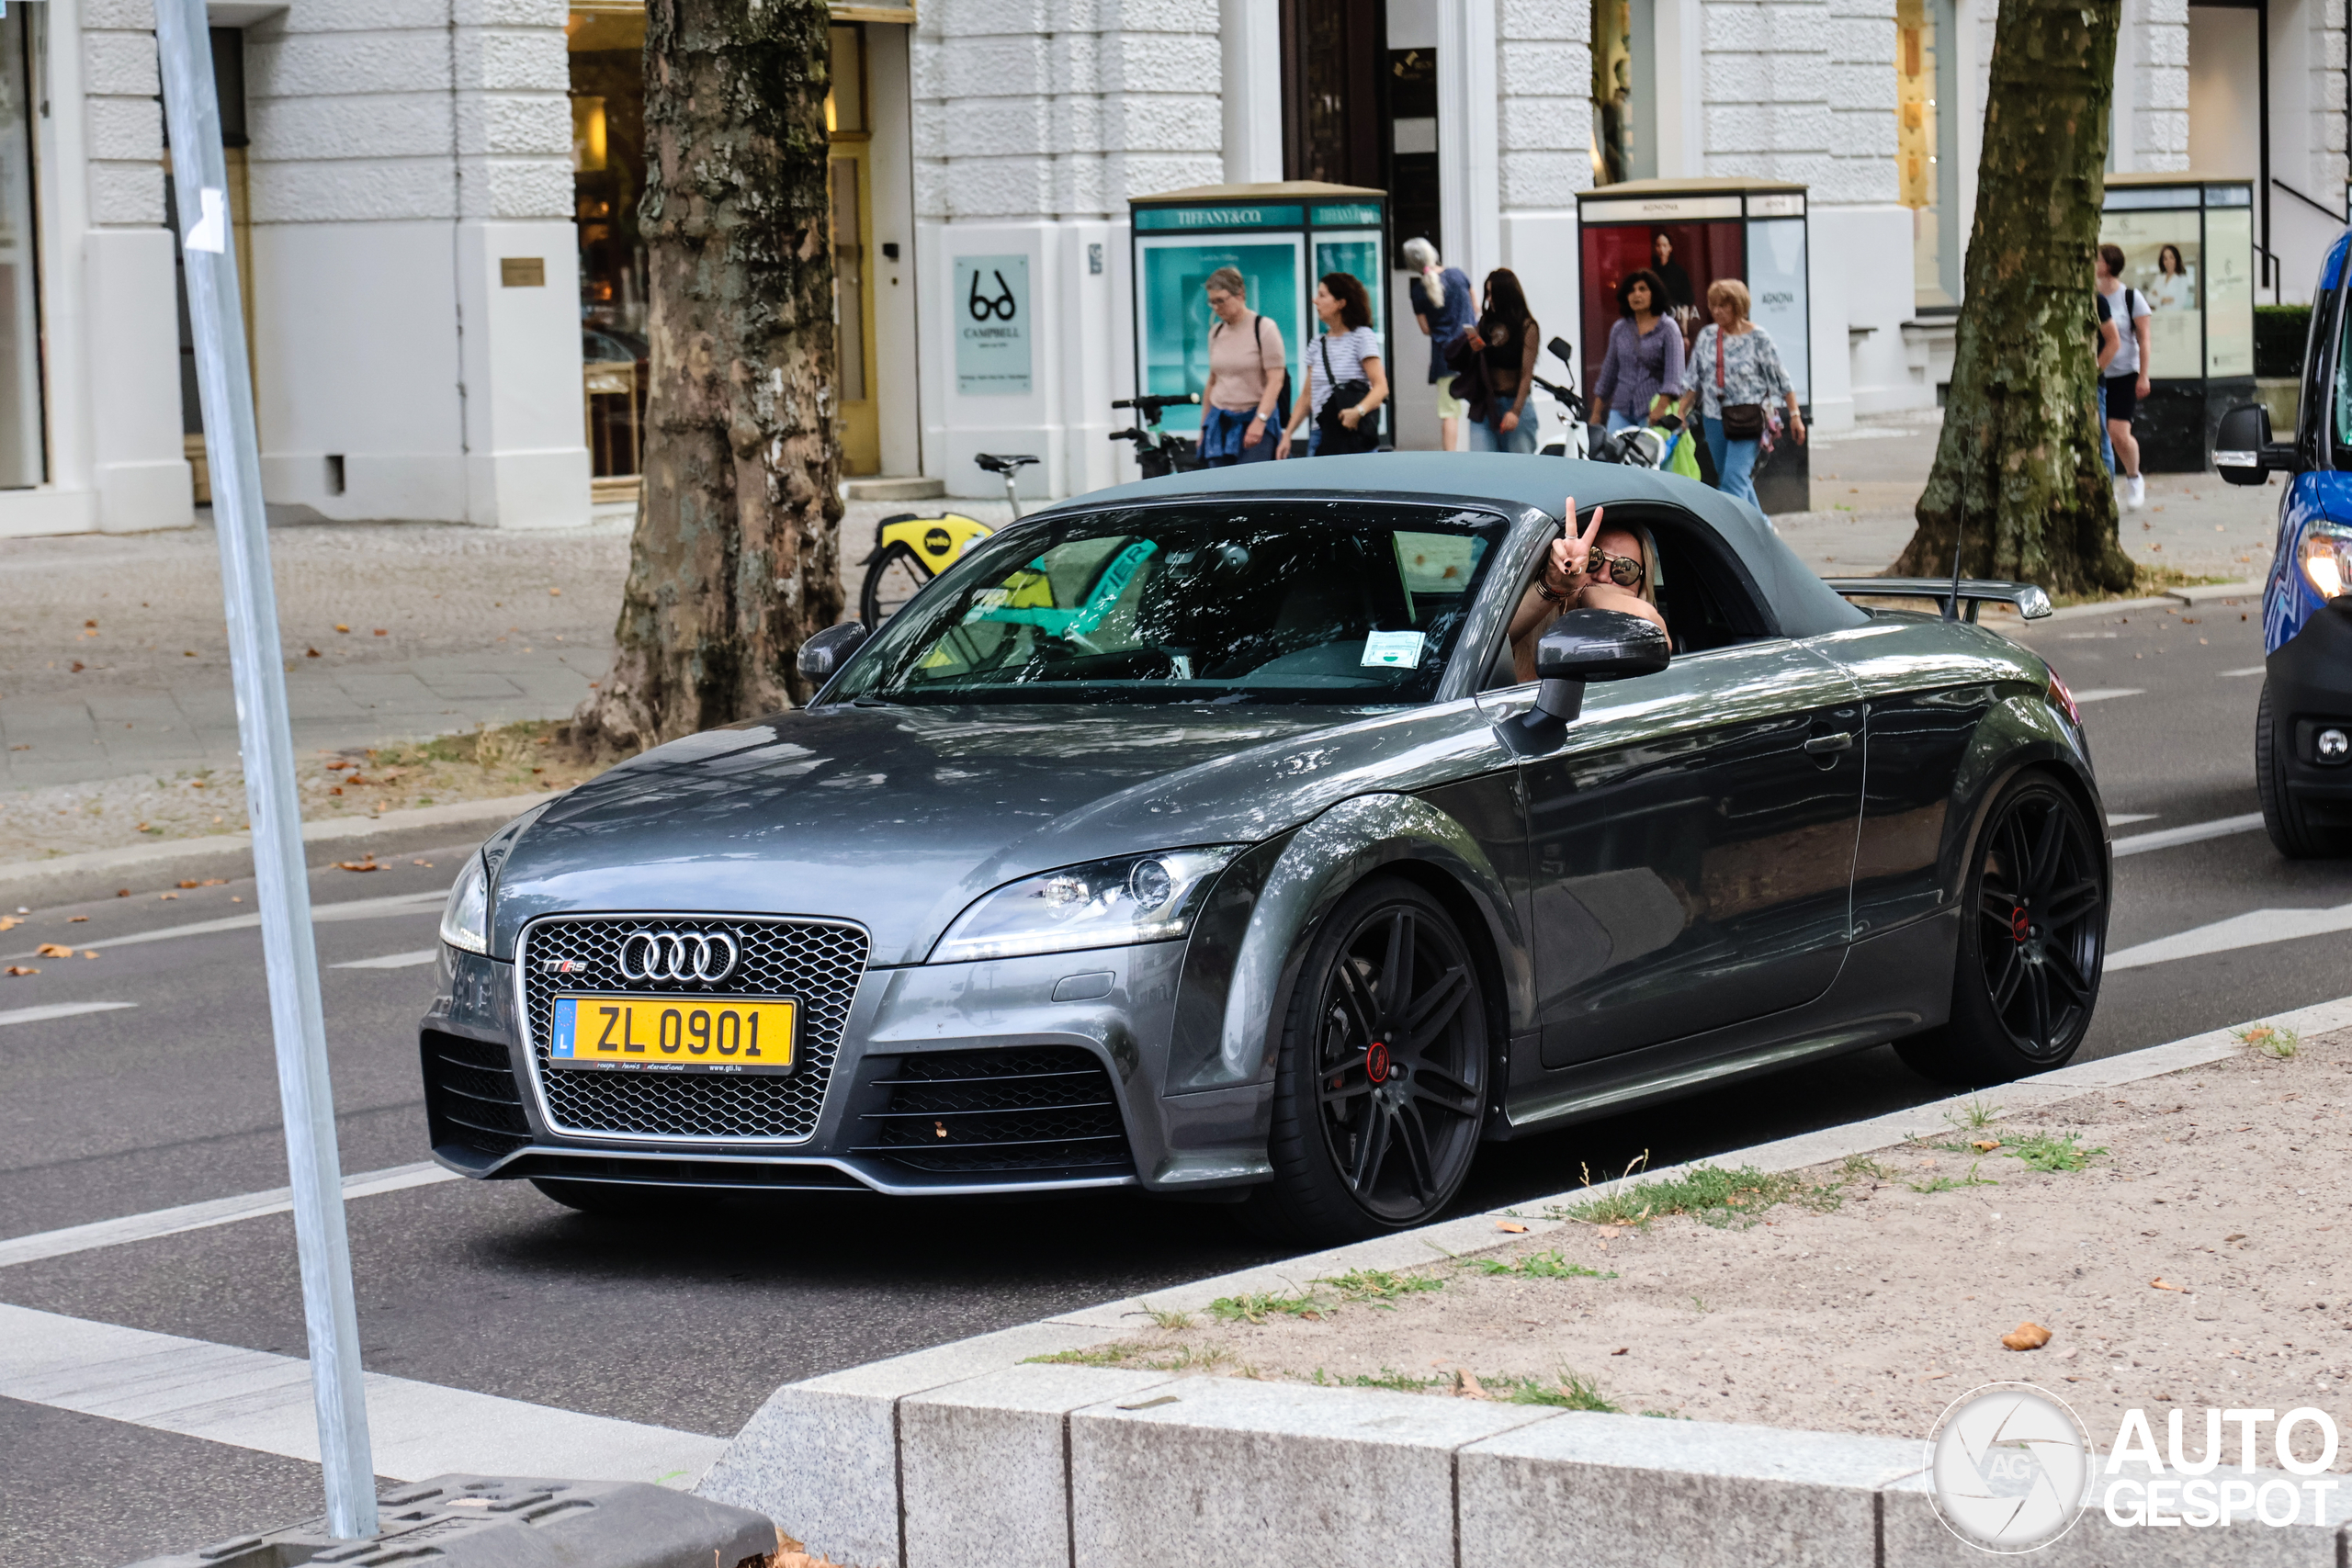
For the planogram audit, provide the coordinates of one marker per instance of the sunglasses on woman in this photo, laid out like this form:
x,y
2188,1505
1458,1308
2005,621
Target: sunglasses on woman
x,y
1622,570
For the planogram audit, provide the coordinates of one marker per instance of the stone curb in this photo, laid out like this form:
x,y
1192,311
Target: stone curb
x,y
96,873
972,1452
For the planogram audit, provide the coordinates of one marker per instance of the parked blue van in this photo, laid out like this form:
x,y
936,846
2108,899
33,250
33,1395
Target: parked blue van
x,y
2302,737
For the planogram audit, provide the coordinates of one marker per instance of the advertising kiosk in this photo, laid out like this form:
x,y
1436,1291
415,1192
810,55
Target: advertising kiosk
x,y
2188,246
1691,233
1281,236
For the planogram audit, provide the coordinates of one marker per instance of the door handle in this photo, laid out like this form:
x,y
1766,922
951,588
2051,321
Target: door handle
x,y
1829,745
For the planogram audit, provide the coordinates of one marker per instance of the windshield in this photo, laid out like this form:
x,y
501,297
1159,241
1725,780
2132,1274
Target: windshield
x,y
1350,602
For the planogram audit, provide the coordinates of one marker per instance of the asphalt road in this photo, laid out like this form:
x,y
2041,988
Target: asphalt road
x,y
691,1323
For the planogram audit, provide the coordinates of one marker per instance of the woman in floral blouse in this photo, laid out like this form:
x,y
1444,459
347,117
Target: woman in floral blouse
x,y
1734,364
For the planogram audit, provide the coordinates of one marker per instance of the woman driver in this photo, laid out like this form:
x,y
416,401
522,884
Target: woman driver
x,y
1597,568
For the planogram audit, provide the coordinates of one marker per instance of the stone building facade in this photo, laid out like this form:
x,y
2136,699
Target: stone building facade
x,y
435,198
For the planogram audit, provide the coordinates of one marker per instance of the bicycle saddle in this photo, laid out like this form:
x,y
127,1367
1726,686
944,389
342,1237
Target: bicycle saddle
x,y
1008,463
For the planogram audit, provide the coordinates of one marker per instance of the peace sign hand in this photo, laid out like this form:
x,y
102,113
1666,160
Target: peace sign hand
x,y
1572,552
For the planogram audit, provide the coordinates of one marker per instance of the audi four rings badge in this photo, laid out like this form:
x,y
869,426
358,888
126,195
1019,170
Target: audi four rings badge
x,y
706,957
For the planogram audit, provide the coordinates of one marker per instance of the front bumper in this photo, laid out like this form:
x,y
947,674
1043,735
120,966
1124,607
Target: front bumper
x,y
955,1078
2310,681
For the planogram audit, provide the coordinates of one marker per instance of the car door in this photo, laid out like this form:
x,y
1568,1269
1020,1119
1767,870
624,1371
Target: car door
x,y
1690,848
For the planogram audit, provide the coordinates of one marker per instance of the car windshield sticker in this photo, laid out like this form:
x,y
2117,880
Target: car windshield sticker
x,y
1402,649
1435,564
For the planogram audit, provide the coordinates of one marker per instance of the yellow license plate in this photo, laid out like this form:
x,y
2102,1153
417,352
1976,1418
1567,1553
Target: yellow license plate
x,y
671,1034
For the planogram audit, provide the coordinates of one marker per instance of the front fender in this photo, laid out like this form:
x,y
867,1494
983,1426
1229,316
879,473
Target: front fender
x,y
2019,732
1324,859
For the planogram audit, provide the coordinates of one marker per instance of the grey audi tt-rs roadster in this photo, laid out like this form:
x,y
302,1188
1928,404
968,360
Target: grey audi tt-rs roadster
x,y
1279,835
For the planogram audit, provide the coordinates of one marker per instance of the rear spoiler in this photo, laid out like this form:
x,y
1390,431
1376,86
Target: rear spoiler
x,y
2027,600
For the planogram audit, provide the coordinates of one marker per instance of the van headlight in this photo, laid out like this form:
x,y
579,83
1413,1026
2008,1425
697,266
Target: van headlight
x,y
2327,557
465,918
1104,903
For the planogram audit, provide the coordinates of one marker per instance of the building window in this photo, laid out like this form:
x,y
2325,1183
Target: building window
x,y
23,448
1334,90
1926,172
607,52
1624,91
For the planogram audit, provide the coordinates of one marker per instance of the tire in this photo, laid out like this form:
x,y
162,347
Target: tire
x,y
1378,1102
2032,942
894,575
619,1200
2283,817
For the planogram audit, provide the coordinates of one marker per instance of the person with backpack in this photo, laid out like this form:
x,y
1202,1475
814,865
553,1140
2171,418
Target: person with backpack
x,y
1248,392
2125,379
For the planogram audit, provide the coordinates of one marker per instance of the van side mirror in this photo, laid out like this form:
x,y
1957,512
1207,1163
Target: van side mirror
x,y
826,652
2243,450
1581,645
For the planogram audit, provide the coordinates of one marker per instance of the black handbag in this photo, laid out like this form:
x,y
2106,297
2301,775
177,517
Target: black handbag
x,y
1741,422
1345,395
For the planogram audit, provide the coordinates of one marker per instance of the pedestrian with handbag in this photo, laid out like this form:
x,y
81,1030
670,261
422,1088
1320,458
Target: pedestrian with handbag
x,y
1644,366
1497,358
1734,370
1249,391
1345,382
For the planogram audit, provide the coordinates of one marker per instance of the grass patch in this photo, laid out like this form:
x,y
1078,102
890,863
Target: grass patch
x,y
2270,1039
1972,1114
1358,1286
1126,1353
1953,1183
1541,1266
1569,1392
2044,1152
1707,1193
1862,1167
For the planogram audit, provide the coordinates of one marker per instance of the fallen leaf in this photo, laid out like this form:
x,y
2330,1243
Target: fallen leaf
x,y
9,922
77,920
1621,1350
188,653
1986,1145
88,954
22,969
341,627
166,895
425,864
2234,1235
1511,1226
2026,1336
1466,1385
53,950
89,623
1606,1233
340,763
336,790
310,653
381,632
552,593
188,882
2168,1285
77,667
366,865
122,892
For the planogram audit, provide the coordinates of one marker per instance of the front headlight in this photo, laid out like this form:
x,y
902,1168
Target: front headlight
x,y
2327,557
465,918
1105,903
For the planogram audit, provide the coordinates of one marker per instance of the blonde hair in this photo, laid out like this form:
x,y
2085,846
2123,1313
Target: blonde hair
x,y
1229,280
1729,291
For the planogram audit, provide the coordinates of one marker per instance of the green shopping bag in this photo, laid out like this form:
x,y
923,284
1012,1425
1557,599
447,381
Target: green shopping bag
x,y
1682,452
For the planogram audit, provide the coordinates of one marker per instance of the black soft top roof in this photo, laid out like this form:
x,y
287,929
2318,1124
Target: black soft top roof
x,y
1803,604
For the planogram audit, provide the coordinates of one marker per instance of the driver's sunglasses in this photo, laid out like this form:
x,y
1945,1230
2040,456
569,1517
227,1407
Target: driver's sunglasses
x,y
1622,570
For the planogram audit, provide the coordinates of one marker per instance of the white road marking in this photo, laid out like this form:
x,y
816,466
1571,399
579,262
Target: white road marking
x,y
2166,838
251,1399
2125,819
2249,670
2100,693
321,914
2088,636
389,961
2256,928
201,1216
48,1010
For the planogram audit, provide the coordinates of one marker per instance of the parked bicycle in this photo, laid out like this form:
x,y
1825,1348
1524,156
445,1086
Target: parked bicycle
x,y
1158,453
909,549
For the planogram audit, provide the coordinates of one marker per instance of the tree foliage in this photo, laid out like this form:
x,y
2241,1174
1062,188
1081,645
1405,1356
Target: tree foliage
x,y
735,558
2018,474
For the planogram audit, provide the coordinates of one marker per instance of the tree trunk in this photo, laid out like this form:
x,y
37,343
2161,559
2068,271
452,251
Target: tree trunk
x,y
2017,471
735,560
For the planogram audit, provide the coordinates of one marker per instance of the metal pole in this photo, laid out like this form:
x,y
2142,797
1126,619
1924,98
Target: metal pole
x,y
201,184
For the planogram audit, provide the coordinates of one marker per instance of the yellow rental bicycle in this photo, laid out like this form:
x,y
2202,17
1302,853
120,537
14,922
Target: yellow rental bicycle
x,y
911,550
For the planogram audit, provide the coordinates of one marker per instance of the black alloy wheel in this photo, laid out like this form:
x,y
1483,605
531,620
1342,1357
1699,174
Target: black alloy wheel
x,y
2033,942
1381,1093
892,577
2284,818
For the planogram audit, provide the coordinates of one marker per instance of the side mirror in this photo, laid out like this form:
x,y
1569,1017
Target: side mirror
x,y
1581,645
1562,350
826,652
2243,450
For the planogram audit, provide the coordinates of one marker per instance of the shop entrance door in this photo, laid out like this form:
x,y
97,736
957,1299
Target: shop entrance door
x,y
850,186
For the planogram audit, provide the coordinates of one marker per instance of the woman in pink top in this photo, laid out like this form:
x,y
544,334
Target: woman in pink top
x,y
1247,375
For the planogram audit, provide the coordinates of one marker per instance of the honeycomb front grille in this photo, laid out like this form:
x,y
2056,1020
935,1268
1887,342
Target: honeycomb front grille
x,y
816,963
1019,1109
469,1095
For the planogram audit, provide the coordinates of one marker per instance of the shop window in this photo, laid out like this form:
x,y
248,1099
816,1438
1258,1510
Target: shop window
x,y
1625,95
606,43
1927,171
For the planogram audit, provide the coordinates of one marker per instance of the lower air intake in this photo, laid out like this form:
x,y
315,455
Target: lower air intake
x,y
1034,1109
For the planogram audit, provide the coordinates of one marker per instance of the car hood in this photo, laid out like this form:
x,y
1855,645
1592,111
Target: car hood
x,y
897,817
